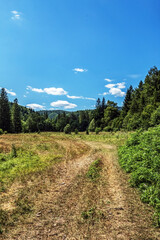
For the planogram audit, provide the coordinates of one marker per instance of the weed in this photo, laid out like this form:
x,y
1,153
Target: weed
x,y
94,170
13,151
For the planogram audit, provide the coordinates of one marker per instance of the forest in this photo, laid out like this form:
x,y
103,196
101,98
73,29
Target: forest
x,y
141,109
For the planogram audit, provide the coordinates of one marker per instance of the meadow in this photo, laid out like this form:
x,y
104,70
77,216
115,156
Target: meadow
x,y
57,185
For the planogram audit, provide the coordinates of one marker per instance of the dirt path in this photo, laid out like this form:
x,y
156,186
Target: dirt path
x,y
114,209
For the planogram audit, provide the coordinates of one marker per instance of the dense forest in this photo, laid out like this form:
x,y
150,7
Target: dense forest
x,y
141,109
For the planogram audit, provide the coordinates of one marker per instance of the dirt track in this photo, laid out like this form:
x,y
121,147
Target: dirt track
x,y
118,212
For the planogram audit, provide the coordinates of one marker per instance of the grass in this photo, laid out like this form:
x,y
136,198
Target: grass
x,y
140,157
25,169
94,170
114,138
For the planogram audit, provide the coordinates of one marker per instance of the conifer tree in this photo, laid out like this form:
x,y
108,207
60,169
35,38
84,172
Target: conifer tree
x,y
16,117
127,101
5,117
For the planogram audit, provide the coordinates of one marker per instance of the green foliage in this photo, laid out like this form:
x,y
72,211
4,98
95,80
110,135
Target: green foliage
x,y
5,117
76,131
16,117
94,170
67,129
155,117
92,125
108,129
1,131
97,130
87,132
141,157
13,151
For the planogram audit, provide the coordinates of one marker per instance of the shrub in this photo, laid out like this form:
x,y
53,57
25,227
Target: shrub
x,y
140,156
13,151
87,132
97,130
76,131
107,129
1,131
67,129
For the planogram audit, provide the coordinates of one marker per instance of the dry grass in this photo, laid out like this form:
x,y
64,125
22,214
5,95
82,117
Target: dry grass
x,y
61,202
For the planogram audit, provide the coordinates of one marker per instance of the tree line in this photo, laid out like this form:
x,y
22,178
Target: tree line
x,y
141,109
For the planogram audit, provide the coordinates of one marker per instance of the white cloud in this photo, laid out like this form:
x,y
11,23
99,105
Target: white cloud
x,y
117,92
10,92
121,85
93,99
108,80
110,85
134,76
75,97
118,85
55,91
16,15
103,94
80,97
64,104
50,91
39,90
79,70
35,106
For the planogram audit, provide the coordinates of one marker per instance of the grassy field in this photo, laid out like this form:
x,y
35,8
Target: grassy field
x,y
54,186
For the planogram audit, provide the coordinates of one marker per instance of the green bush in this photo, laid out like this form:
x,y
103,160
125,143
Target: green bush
x,y
76,131
97,130
140,156
108,129
67,129
1,131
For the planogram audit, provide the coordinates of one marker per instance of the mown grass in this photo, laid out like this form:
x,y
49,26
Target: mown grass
x,y
140,156
27,159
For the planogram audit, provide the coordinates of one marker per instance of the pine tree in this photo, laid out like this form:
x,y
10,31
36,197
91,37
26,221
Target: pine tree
x,y
16,117
5,117
127,101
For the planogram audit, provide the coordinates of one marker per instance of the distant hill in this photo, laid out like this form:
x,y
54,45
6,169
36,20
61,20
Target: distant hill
x,y
52,114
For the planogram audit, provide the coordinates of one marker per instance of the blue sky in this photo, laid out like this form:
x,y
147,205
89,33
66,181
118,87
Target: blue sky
x,y
59,54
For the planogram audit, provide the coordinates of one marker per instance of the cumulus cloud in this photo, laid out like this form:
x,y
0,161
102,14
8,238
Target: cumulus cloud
x,y
10,92
55,91
16,15
64,104
118,85
108,80
117,92
35,106
80,97
79,70
39,90
110,85
50,91
115,89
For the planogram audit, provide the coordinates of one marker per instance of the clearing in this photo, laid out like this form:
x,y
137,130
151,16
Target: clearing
x,y
61,202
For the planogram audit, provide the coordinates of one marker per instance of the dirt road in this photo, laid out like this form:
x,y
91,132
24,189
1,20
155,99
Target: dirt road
x,y
113,209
